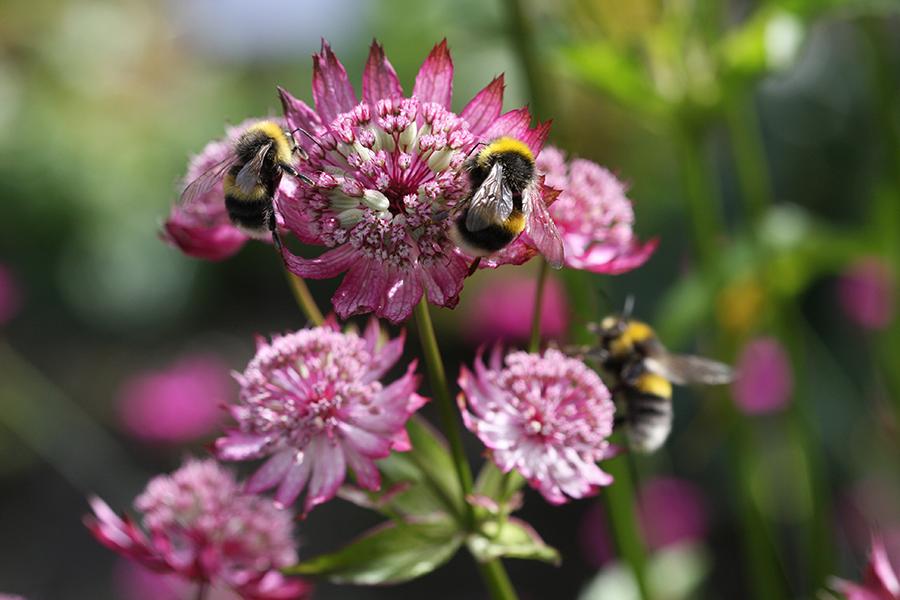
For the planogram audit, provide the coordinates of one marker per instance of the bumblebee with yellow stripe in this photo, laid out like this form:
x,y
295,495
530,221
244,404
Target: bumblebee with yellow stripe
x,y
250,177
642,372
505,201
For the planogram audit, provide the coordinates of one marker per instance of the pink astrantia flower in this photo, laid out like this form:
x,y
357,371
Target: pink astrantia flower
x,y
866,292
764,382
312,402
10,296
879,583
593,215
178,404
546,416
202,229
200,525
503,308
385,169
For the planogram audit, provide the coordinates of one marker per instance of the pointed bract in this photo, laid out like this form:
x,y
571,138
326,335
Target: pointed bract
x,y
485,107
380,81
332,90
434,82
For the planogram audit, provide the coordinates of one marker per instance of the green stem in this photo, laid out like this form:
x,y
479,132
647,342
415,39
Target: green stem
x,y
521,33
620,507
535,344
497,580
706,221
304,299
493,572
749,155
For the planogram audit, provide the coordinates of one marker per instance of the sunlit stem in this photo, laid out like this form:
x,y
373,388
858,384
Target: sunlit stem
x,y
304,299
493,572
535,344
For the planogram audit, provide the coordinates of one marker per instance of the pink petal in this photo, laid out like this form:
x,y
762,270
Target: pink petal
x,y
624,260
536,137
361,290
484,108
329,264
434,83
272,472
401,294
364,469
367,443
331,87
328,474
210,243
295,480
385,358
444,281
240,446
372,335
514,123
881,568
298,114
379,78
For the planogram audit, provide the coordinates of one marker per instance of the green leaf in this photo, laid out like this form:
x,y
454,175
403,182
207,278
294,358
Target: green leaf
x,y
512,538
427,469
391,553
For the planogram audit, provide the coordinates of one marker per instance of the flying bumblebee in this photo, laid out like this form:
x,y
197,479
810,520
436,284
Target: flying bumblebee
x,y
505,201
250,177
643,372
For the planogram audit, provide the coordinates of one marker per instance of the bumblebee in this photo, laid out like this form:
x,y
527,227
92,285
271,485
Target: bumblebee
x,y
505,201
250,177
643,371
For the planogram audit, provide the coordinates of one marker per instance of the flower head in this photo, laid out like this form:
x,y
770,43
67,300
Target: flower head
x,y
180,403
880,581
547,416
202,229
311,402
386,171
203,527
764,382
593,215
866,292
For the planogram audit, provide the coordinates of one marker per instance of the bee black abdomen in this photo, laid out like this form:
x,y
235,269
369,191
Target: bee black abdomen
x,y
648,419
517,170
250,214
494,237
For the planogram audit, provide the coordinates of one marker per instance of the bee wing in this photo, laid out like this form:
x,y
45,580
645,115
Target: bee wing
x,y
541,229
206,181
684,368
491,202
248,177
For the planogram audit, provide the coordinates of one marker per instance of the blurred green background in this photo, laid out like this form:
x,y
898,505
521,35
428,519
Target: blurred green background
x,y
761,142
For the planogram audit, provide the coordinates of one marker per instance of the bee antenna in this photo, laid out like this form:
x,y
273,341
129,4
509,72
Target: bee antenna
x,y
475,147
307,134
629,307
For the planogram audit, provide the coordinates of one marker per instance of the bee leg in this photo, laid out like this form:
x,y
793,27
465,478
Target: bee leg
x,y
272,222
293,172
474,266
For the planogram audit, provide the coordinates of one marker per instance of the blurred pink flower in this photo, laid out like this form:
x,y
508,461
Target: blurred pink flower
x,y
312,402
547,416
178,404
879,582
867,293
10,295
593,214
669,511
203,528
502,309
764,381
203,229
384,167
11,597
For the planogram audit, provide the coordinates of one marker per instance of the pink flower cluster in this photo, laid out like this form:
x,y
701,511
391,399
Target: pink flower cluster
x,y
203,527
546,416
312,402
880,580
